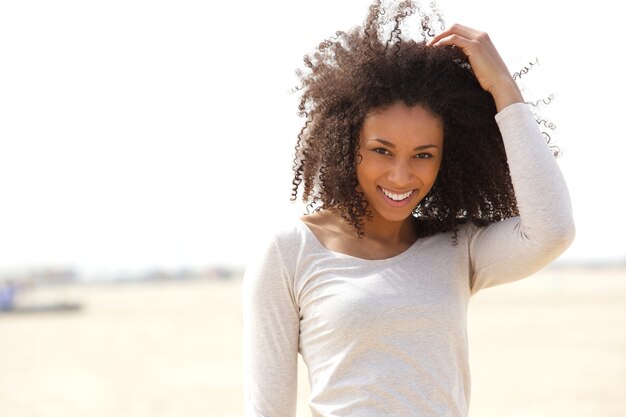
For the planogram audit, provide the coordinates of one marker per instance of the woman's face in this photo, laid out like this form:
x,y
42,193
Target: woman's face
x,y
400,150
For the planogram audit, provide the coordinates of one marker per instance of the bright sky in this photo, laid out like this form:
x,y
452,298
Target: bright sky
x,y
139,134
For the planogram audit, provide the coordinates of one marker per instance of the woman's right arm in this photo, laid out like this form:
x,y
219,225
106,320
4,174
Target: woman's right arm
x,y
271,328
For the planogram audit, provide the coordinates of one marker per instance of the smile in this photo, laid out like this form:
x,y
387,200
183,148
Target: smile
x,y
397,197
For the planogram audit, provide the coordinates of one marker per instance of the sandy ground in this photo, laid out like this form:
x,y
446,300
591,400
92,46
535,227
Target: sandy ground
x,y
551,345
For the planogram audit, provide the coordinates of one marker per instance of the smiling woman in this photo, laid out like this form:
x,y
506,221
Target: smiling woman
x,y
428,179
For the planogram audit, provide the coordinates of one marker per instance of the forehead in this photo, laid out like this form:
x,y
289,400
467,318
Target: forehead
x,y
400,123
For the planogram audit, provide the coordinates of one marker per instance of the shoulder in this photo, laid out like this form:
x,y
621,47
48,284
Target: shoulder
x,y
329,229
466,231
319,220
269,271
277,242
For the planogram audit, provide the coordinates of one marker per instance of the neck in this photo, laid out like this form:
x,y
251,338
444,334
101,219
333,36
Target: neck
x,y
390,232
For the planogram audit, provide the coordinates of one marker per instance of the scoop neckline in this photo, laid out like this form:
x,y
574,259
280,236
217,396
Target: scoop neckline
x,y
342,255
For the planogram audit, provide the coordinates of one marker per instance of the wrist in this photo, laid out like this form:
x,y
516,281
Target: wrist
x,y
506,93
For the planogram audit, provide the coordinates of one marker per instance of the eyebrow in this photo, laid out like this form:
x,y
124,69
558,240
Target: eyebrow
x,y
391,145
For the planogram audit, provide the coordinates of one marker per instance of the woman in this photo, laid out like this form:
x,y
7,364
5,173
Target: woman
x,y
429,180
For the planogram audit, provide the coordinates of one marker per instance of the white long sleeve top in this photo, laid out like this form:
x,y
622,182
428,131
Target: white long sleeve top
x,y
389,337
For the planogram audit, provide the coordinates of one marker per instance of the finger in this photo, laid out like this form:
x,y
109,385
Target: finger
x,y
455,29
459,29
456,40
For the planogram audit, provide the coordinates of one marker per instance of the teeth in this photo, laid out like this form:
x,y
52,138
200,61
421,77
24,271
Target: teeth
x,y
396,197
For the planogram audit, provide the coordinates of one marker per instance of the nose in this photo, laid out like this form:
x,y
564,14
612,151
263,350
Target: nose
x,y
400,174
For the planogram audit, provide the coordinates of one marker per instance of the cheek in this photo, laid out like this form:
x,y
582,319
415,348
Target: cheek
x,y
367,169
427,172
434,171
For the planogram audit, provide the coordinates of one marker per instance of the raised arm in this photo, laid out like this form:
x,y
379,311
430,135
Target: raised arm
x,y
520,246
270,334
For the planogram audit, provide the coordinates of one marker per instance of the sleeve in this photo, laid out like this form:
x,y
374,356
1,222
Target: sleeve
x,y
520,246
271,328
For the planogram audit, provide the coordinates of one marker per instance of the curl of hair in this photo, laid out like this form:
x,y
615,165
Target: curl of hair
x,y
368,68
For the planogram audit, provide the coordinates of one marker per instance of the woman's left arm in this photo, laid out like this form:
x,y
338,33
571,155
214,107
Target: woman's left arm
x,y
520,246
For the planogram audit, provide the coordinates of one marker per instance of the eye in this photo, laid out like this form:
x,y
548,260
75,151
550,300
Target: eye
x,y
381,151
424,155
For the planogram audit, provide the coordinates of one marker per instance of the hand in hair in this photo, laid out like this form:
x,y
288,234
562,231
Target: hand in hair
x,y
488,66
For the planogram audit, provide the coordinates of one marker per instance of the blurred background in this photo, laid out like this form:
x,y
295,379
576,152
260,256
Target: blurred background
x,y
145,146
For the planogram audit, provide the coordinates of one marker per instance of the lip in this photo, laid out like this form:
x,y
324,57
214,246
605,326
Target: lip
x,y
394,203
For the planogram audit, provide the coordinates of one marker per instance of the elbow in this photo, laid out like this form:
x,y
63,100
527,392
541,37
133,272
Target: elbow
x,y
553,238
567,232
563,228
562,235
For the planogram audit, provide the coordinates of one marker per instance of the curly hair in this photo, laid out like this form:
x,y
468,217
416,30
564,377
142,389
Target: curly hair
x,y
367,68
